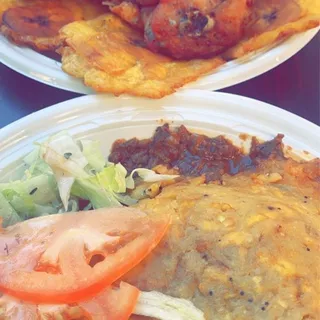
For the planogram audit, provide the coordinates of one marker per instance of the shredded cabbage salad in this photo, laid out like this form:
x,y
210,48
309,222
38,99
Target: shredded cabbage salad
x,y
62,171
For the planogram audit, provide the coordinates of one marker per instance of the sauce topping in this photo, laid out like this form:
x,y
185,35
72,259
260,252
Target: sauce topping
x,y
193,154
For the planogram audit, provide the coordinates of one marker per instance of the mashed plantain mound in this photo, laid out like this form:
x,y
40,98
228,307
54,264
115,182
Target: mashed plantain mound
x,y
242,246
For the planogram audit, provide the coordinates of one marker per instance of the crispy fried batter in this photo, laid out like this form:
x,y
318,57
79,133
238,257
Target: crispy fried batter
x,y
36,23
111,57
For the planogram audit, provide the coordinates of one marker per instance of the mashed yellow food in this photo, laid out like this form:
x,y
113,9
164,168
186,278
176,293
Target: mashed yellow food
x,y
247,248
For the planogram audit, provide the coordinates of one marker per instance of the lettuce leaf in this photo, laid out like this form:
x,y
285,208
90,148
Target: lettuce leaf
x,y
32,197
66,161
160,306
90,189
7,213
60,171
92,151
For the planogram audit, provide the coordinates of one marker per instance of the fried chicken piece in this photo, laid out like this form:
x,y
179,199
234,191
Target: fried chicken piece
x,y
196,28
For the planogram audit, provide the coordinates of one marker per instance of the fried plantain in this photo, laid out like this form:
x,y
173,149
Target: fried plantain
x,y
111,57
273,21
6,4
195,28
203,28
128,11
47,23
268,15
135,13
37,24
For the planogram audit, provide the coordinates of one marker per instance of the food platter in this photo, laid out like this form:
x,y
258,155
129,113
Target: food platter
x,y
106,119
131,215
46,70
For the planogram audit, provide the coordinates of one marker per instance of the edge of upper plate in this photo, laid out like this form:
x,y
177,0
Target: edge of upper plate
x,y
48,71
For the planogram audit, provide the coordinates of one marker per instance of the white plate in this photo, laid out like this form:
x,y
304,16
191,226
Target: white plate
x,y
48,71
107,118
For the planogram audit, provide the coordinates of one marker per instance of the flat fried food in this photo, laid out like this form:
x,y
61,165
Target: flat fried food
x,y
130,11
134,12
37,23
196,28
203,28
272,21
111,57
6,4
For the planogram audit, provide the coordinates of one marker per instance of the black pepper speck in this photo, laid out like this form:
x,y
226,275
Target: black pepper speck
x,y
67,155
33,191
6,249
211,293
242,293
263,308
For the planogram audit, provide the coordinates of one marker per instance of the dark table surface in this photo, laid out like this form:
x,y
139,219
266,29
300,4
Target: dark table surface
x,y
293,86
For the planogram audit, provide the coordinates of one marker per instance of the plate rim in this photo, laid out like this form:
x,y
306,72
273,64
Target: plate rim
x,y
69,105
83,102
261,63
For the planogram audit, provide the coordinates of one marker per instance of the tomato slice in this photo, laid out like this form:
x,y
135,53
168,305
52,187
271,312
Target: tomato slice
x,y
111,304
47,259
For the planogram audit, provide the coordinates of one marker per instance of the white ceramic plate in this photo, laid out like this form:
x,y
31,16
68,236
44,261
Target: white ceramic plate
x,y
107,118
48,71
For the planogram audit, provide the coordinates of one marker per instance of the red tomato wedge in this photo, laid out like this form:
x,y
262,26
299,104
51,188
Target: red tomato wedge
x,y
49,259
111,304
